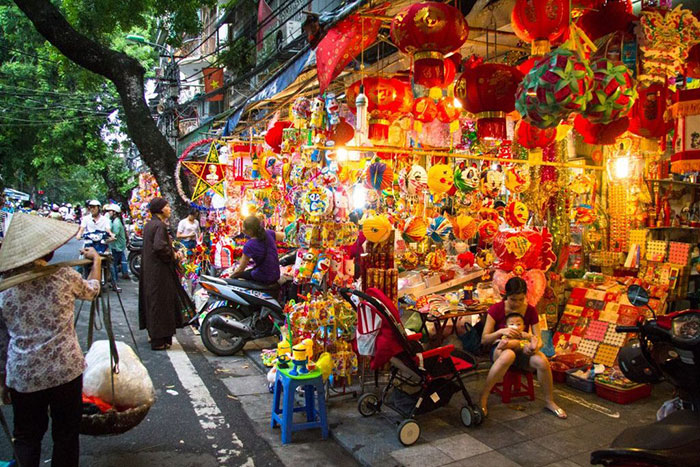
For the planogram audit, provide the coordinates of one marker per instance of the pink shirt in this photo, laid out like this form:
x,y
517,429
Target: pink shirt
x,y
38,345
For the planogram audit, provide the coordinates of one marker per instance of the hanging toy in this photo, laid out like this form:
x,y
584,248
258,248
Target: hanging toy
x,y
516,214
417,180
440,179
321,269
435,260
518,179
317,113
440,229
377,229
332,109
380,176
484,258
318,202
415,229
465,260
488,229
465,227
491,183
466,178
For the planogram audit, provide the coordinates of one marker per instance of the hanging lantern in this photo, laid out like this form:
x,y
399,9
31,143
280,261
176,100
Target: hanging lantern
x,y
600,133
342,133
608,17
273,137
424,109
557,85
531,137
488,91
428,31
446,110
686,139
692,63
387,99
613,92
647,114
540,22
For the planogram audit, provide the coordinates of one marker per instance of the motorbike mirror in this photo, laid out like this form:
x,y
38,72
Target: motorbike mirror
x,y
638,296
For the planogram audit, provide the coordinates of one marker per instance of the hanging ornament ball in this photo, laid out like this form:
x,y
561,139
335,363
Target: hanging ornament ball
x,y
613,92
466,178
415,229
377,229
440,229
516,214
557,85
417,180
380,176
446,110
440,179
465,227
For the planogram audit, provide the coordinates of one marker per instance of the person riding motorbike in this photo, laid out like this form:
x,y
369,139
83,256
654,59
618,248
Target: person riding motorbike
x,y
94,222
262,249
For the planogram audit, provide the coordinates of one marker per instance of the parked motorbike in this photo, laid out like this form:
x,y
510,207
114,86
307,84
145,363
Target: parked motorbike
x,y
668,349
135,247
239,311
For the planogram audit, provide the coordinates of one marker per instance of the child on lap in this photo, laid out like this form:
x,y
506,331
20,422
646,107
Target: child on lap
x,y
516,321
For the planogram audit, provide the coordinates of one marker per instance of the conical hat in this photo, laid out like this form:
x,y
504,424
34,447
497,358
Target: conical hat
x,y
31,237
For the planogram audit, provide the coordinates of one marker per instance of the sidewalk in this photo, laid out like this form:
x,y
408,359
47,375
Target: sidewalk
x,y
520,433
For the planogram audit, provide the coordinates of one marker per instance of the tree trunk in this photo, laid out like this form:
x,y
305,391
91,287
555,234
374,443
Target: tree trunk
x,y
127,75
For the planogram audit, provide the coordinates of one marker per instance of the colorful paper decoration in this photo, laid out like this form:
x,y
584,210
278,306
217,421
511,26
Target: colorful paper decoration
x,y
415,229
516,214
600,133
417,180
530,248
427,32
531,137
540,22
491,183
424,110
647,114
435,260
606,355
377,228
439,229
488,229
678,253
446,110
588,347
613,92
656,250
210,173
465,227
342,133
440,179
596,330
556,86
466,177
317,202
518,178
380,176
686,138
488,91
387,99
273,137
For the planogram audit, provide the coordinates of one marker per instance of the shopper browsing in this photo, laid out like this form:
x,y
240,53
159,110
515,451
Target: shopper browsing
x,y
262,249
188,229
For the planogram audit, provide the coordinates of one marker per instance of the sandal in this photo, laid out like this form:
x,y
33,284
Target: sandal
x,y
559,412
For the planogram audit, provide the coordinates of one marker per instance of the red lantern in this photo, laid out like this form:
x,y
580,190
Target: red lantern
x,y
599,133
387,98
488,91
273,137
450,72
611,16
446,110
428,31
686,137
424,109
342,133
647,115
540,22
692,63
531,137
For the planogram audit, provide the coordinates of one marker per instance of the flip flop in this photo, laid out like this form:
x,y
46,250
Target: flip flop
x,y
559,412
485,411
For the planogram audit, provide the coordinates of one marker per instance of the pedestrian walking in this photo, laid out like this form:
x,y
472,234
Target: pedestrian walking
x,y
118,246
41,363
162,300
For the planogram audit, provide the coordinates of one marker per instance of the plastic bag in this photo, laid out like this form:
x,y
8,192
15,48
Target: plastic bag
x,y
132,385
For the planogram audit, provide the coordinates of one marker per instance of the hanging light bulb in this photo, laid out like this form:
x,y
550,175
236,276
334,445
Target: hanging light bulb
x,y
362,127
359,197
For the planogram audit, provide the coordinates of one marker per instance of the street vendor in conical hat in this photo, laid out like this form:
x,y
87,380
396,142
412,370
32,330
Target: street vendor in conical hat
x,y
41,363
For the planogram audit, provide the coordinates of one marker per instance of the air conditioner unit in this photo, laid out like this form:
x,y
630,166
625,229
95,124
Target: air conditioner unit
x,y
291,30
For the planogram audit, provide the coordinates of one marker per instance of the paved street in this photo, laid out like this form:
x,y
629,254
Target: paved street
x,y
200,415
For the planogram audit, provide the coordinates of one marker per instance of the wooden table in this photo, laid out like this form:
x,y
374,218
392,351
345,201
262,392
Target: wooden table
x,y
442,321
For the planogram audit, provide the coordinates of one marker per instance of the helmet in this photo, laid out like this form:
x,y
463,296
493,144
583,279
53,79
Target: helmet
x,y
112,207
94,202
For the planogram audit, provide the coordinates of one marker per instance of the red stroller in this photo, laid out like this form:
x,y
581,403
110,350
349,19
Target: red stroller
x,y
419,381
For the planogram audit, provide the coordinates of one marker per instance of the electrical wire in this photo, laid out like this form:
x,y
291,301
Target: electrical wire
x,y
21,52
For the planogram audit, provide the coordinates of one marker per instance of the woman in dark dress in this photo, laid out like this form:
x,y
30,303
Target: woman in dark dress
x,y
162,300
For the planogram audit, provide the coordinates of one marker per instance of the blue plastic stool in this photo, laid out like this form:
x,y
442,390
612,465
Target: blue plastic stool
x,y
315,403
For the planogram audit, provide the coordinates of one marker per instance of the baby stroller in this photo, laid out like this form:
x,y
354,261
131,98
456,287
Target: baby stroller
x,y
419,381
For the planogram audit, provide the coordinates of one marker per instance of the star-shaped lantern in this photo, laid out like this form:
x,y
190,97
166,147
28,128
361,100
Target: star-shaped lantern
x,y
210,173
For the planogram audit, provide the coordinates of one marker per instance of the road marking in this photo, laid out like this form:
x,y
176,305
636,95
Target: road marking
x,y
208,413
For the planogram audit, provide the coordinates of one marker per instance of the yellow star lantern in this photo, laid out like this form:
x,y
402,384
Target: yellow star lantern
x,y
210,173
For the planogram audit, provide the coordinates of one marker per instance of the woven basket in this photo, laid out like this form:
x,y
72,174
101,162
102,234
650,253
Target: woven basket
x,y
113,422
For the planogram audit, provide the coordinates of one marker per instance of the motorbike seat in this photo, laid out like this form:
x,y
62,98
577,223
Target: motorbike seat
x,y
678,429
253,285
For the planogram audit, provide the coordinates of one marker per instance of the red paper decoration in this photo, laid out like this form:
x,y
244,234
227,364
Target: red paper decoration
x,y
273,137
540,22
692,63
611,16
424,109
647,115
613,92
531,137
446,110
599,133
488,91
428,31
387,98
342,133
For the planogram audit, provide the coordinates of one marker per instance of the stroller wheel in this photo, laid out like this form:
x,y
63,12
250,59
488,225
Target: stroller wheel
x,y
368,404
469,416
408,432
478,416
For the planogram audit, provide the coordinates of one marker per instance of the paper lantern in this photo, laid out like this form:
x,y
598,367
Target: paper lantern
x,y
317,202
488,229
435,260
686,138
387,99
540,22
446,110
516,214
417,180
415,229
517,179
613,92
484,258
380,176
466,178
692,63
464,227
273,137
530,249
377,229
488,91
604,19
647,114
531,137
439,229
428,31
600,133
440,179
342,133
491,183
424,109
559,84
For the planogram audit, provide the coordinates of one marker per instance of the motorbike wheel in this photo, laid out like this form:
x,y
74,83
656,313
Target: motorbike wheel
x,y
135,264
217,341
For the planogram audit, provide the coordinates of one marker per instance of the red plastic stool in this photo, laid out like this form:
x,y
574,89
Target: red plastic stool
x,y
513,386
